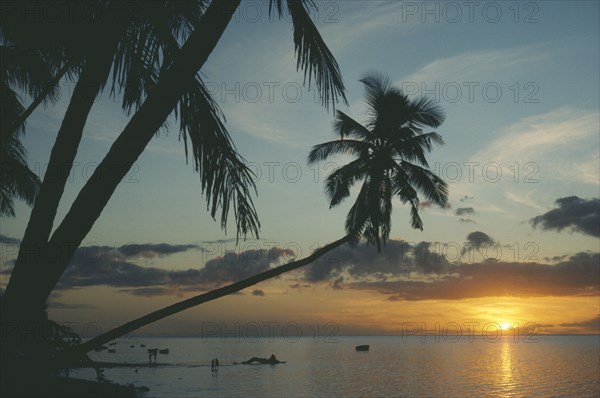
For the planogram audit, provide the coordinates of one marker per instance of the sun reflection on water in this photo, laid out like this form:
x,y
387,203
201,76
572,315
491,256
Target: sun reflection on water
x,y
508,383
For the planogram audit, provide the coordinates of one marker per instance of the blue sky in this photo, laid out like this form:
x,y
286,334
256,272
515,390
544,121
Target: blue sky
x,y
520,93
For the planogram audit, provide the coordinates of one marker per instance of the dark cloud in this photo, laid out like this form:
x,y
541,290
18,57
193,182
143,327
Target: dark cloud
x,y
421,271
466,198
258,292
579,276
102,265
476,241
54,305
150,291
466,220
150,250
464,211
427,204
220,241
7,240
234,267
593,323
578,214
338,283
396,258
479,238
556,258
298,286
426,260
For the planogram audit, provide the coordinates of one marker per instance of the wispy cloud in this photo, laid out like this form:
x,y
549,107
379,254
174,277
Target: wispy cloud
x,y
353,23
554,139
477,66
520,199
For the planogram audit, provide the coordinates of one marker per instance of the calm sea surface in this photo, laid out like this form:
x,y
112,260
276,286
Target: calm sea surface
x,y
566,366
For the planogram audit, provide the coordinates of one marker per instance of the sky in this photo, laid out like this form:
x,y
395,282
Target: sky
x,y
518,244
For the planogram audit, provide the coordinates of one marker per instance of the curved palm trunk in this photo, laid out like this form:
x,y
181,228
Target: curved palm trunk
x,y
200,299
96,193
40,98
22,291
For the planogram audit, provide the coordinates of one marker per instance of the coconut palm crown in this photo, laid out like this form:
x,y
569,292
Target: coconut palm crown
x,y
390,160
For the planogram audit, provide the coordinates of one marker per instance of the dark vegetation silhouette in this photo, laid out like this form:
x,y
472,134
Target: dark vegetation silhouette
x,y
139,42
16,179
33,60
156,76
25,71
390,152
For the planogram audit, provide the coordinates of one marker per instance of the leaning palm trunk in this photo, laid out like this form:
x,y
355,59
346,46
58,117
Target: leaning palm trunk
x,y
200,299
21,293
96,193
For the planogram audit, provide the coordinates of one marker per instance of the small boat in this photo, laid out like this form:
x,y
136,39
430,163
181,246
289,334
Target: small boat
x,y
142,345
113,343
364,347
132,346
163,351
112,351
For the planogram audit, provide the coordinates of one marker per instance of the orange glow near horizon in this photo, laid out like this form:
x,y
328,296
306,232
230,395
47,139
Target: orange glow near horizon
x,y
352,311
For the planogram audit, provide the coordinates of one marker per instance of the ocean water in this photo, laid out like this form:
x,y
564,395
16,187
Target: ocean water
x,y
547,366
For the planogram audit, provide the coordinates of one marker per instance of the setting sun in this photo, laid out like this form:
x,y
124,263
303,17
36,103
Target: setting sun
x,y
504,325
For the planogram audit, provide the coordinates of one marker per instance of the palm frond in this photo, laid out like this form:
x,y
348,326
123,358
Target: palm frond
x,y
19,181
323,151
135,66
372,236
433,187
415,220
357,217
338,183
149,45
413,149
225,178
313,56
16,179
344,126
276,4
10,111
27,71
376,86
401,186
426,112
386,209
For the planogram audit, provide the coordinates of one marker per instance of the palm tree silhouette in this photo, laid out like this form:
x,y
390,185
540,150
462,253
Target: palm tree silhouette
x,y
386,151
227,187
171,83
26,71
16,179
130,45
390,160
